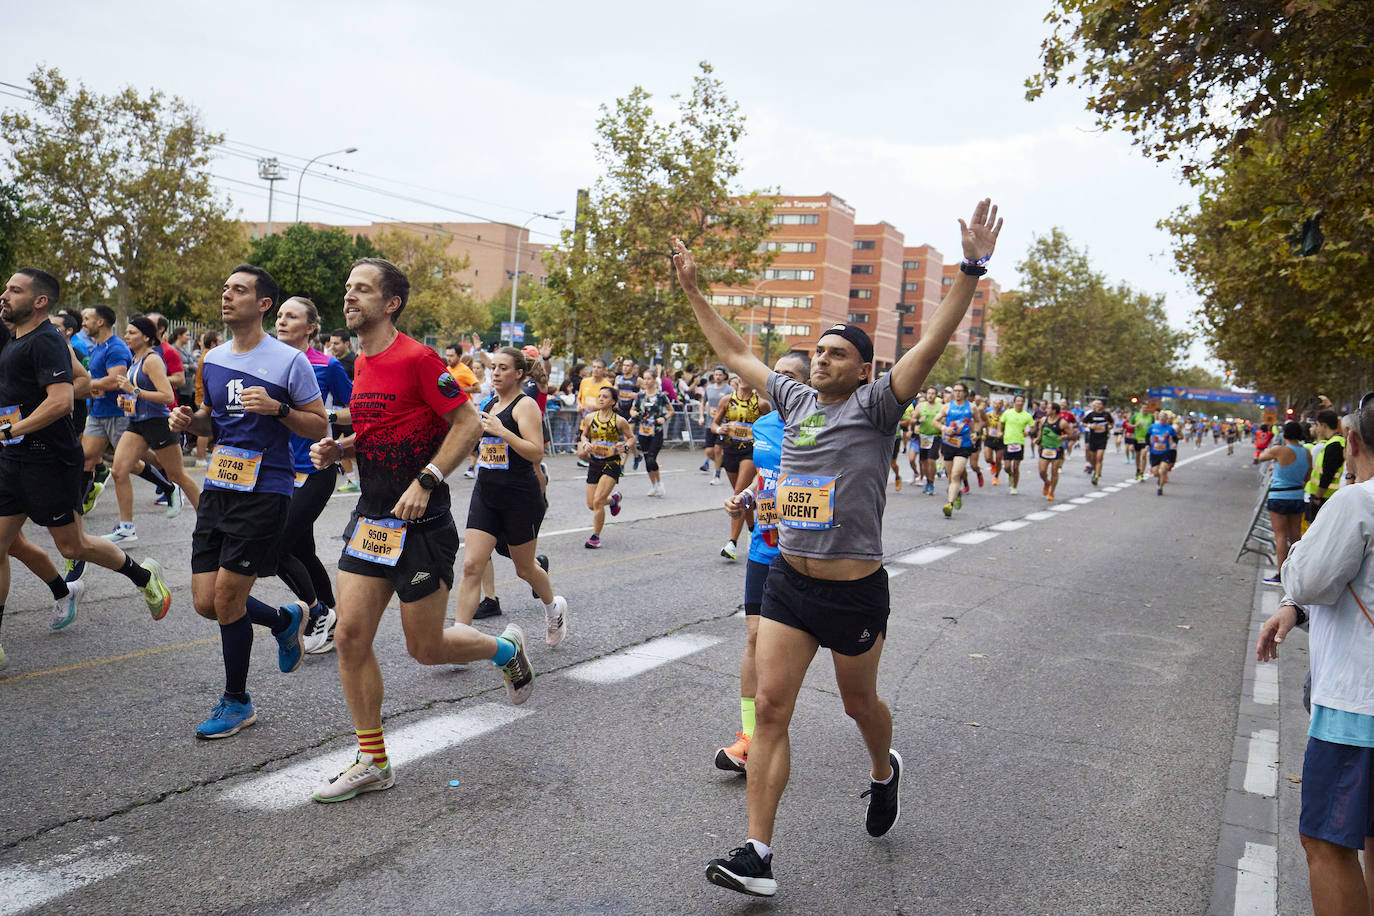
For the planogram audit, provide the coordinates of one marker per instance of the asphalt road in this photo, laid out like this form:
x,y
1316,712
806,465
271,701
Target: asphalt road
x,y
1064,693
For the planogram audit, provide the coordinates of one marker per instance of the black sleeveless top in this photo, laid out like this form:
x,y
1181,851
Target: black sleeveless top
x,y
498,464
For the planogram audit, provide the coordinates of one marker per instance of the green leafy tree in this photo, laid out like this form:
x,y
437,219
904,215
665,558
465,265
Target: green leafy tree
x,y
611,284
439,302
1068,330
313,263
123,182
20,236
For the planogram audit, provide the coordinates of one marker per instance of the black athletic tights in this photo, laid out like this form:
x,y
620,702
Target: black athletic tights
x,y
299,566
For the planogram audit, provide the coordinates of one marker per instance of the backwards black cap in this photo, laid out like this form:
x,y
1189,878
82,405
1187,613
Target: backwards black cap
x,y
855,335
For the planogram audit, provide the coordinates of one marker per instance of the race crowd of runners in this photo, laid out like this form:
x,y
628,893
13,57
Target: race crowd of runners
x,y
282,421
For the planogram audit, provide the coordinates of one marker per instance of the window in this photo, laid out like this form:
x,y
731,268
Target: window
x,y
911,265
949,281
779,330
789,274
791,247
789,302
863,244
977,312
730,300
912,287
978,295
858,318
861,269
796,219
907,329
861,294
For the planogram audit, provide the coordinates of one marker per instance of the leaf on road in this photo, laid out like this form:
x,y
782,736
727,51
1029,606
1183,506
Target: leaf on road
x,y
1183,626
1295,779
976,724
976,655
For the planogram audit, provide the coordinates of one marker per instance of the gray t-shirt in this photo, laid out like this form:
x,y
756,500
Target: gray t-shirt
x,y
715,394
832,485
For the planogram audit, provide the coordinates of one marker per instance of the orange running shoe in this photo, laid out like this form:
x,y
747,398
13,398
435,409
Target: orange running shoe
x,y
734,757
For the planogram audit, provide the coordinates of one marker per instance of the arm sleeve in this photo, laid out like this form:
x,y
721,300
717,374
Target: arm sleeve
x,y
1333,550
301,382
1333,456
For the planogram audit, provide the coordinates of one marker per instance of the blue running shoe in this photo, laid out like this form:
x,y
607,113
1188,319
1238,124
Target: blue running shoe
x,y
289,652
73,569
229,718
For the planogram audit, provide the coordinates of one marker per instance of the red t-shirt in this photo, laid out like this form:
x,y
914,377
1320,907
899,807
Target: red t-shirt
x,y
172,359
398,410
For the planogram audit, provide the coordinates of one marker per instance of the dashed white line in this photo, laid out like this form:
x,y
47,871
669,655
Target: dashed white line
x,y
1063,507
1257,890
292,786
1009,525
1080,501
1039,516
927,555
1266,691
24,887
1095,494
637,659
1262,763
973,537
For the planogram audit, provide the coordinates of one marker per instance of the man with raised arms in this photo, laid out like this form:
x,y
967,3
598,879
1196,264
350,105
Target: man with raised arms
x,y
828,588
412,427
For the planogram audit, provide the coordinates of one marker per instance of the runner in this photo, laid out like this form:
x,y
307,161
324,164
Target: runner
x,y
733,423
717,389
828,588
412,427
958,421
604,437
928,435
1098,423
507,505
649,417
1164,453
992,440
1141,421
299,564
341,348
978,405
1014,423
258,391
146,399
763,550
41,459
1051,432
1232,435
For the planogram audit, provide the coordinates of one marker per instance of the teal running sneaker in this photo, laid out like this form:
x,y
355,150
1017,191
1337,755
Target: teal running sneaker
x,y
289,652
228,718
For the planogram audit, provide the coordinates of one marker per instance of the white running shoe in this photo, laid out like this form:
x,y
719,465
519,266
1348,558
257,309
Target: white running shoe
x,y
556,619
362,776
659,487
715,481
174,503
64,609
122,534
517,672
729,551
319,633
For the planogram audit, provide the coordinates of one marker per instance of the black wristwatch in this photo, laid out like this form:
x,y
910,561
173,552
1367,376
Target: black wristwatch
x,y
283,409
427,480
333,417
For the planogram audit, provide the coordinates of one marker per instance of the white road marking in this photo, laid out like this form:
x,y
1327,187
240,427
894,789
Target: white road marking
x,y
1095,494
24,887
1063,507
1009,525
1114,489
927,555
894,573
549,534
1080,501
1266,685
292,786
1257,884
1039,516
1214,451
1262,763
973,537
636,660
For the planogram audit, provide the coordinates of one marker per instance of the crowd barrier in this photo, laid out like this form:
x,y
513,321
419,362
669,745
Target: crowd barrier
x,y
1259,537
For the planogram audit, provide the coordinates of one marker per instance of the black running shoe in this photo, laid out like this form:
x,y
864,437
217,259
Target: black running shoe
x,y
884,801
745,872
543,562
488,607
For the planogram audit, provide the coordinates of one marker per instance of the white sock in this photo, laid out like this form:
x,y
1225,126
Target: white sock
x,y
763,849
883,782
548,608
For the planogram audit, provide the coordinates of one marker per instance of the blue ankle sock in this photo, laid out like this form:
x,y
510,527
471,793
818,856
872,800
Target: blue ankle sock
x,y
505,651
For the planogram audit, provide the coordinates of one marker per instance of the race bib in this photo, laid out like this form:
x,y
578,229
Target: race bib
x,y
603,449
625,394
377,540
493,454
994,432
1049,454
742,432
128,403
1013,449
1159,443
806,502
646,429
11,415
301,478
927,441
233,468
1099,427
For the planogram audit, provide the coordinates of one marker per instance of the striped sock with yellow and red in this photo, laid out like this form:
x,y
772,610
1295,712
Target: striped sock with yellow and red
x,y
370,742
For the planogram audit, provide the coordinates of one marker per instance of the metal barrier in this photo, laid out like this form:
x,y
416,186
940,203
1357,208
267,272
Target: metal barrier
x,y
1260,532
684,429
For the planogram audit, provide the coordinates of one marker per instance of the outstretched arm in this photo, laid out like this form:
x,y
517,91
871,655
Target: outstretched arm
x,y
732,349
979,238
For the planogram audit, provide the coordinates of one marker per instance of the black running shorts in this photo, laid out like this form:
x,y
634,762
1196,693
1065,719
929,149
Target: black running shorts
x,y
49,493
950,452
238,532
844,617
731,458
425,564
596,469
153,431
511,516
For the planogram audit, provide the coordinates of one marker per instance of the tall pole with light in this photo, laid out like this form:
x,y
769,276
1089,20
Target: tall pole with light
x,y
515,274
351,149
270,171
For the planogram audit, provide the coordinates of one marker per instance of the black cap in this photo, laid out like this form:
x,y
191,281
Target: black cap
x,y
855,335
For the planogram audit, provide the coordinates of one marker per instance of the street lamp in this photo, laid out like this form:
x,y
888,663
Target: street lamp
x,y
515,275
351,149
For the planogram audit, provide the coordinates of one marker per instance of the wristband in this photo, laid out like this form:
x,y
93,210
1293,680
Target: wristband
x,y
980,261
971,269
438,474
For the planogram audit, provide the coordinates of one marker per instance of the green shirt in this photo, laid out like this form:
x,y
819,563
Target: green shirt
x,y
1014,423
926,414
1141,422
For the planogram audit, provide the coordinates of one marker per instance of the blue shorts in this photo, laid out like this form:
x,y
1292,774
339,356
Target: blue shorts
x,y
1285,506
1337,805
755,574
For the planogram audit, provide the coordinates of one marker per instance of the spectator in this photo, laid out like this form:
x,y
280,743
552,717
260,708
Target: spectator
x,y
1292,464
1331,576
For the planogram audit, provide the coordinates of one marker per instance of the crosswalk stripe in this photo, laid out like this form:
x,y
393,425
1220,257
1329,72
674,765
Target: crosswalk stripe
x,y
25,887
927,555
637,659
973,537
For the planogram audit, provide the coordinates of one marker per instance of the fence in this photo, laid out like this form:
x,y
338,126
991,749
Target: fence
x,y
683,430
1259,537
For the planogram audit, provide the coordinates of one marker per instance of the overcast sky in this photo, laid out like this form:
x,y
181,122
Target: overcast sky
x,y
910,111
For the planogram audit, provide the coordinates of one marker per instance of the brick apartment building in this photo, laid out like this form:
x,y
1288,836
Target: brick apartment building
x,y
490,248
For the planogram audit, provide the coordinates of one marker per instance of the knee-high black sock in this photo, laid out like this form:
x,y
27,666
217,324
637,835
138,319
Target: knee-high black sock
x,y
264,615
236,639
155,477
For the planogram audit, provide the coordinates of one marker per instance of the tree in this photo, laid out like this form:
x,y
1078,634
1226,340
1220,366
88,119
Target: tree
x,y
20,237
439,302
497,310
949,368
611,283
124,185
313,263
1068,330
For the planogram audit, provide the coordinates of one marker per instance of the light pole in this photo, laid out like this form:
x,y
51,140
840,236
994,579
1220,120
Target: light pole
x,y
351,149
270,171
515,275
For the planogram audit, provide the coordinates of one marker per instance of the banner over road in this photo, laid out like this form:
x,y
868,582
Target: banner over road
x,y
1215,394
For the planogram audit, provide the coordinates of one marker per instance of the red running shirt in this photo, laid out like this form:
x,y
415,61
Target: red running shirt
x,y
398,409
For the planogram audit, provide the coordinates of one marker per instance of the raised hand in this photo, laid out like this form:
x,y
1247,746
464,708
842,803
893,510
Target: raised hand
x,y
686,265
979,235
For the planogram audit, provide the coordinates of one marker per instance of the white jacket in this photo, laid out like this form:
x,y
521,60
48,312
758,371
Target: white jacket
x,y
1336,553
